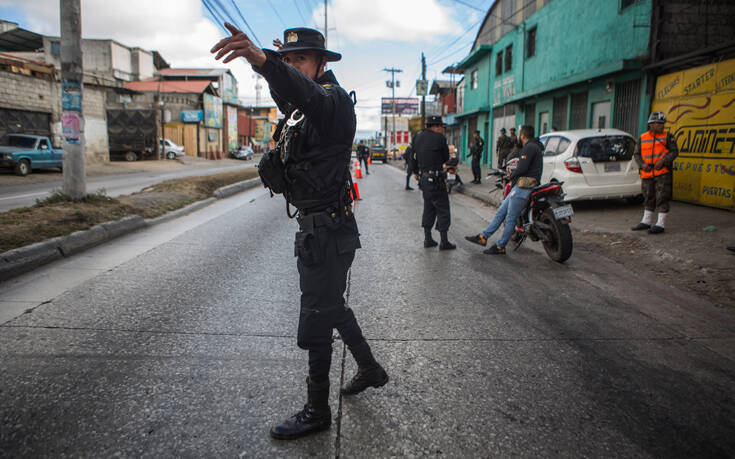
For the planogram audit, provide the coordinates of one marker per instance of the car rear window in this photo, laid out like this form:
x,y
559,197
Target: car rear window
x,y
606,148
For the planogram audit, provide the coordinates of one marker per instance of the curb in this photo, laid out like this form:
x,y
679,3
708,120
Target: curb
x,y
23,259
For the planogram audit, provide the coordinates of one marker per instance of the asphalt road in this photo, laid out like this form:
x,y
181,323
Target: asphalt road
x,y
179,341
15,196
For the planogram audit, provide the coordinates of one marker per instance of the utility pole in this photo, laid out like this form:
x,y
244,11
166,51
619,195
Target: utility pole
x,y
423,97
326,28
72,119
392,85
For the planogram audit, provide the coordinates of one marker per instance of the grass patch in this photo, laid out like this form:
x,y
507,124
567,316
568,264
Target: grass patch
x,y
59,215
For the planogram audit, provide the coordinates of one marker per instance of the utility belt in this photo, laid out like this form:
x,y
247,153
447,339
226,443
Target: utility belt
x,y
432,180
332,218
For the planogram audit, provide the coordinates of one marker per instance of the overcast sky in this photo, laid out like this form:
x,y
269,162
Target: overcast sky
x,y
370,34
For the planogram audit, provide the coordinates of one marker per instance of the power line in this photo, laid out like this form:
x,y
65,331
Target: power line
x,y
277,14
469,6
216,17
299,11
246,23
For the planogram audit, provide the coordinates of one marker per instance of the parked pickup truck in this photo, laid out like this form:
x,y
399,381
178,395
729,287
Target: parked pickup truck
x,y
23,153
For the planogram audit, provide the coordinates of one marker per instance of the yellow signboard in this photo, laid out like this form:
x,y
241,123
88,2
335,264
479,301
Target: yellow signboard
x,y
699,105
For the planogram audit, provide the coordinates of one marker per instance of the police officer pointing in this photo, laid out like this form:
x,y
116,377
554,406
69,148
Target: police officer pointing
x,y
310,166
431,150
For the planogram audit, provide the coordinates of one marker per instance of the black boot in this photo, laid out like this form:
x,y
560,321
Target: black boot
x,y
428,240
315,417
446,245
369,371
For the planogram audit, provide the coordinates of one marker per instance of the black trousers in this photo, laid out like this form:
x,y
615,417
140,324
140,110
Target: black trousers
x,y
324,256
364,162
476,172
436,205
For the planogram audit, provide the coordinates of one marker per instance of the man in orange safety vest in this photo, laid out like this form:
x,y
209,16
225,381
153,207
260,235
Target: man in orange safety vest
x,y
655,154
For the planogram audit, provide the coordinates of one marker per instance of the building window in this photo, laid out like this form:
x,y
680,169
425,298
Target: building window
x,y
499,63
55,48
509,58
474,79
531,43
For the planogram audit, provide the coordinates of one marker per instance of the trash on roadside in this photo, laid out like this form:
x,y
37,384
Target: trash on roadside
x,y
710,228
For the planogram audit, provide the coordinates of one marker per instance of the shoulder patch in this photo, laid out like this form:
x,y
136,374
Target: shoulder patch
x,y
327,85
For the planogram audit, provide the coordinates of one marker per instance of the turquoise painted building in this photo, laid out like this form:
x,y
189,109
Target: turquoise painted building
x,y
557,64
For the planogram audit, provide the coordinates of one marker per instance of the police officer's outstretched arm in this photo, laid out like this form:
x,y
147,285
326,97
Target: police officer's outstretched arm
x,y
289,85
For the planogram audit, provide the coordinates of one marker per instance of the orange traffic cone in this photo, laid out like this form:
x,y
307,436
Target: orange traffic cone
x,y
358,170
355,192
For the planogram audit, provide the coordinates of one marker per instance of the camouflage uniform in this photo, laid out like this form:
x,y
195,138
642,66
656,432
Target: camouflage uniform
x,y
658,191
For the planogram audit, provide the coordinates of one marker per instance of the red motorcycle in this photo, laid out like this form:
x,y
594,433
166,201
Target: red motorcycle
x,y
545,218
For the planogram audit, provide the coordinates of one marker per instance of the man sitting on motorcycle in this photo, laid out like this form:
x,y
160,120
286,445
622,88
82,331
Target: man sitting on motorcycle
x,y
524,177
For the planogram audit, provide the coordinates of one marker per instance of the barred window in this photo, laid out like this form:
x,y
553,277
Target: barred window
x,y
499,63
531,43
509,58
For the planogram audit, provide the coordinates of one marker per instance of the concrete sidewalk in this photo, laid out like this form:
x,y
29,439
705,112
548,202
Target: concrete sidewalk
x,y
685,255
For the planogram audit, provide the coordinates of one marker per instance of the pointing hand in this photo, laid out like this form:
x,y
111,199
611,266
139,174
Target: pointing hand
x,y
238,45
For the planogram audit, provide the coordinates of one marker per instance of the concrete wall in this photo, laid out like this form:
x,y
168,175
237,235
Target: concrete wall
x,y
22,92
122,67
141,64
95,124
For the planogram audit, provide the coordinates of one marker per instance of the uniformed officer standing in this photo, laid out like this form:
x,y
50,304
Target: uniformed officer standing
x,y
431,150
655,155
476,152
310,167
363,154
503,147
410,158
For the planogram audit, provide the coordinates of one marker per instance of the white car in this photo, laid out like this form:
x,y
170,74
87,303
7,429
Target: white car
x,y
171,150
592,163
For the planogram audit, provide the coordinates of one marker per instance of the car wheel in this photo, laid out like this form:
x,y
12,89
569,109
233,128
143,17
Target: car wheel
x,y
171,155
23,168
131,156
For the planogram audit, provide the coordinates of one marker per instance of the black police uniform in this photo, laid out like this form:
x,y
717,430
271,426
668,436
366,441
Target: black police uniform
x,y
410,159
363,153
476,152
432,152
316,150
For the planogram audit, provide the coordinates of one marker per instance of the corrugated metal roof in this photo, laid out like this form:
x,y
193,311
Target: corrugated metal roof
x,y
192,72
20,40
152,85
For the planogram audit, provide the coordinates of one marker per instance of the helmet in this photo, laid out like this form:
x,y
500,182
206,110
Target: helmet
x,y
657,117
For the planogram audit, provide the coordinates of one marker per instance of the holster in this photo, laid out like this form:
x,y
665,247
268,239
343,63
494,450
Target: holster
x,y
272,171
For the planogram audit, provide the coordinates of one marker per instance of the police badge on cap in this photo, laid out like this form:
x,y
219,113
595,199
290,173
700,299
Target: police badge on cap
x,y
434,121
301,39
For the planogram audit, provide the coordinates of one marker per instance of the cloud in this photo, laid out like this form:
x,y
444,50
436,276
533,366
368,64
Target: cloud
x,y
402,21
175,28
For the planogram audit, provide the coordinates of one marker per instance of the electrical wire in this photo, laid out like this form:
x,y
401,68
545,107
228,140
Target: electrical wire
x,y
215,17
277,14
246,23
299,11
469,6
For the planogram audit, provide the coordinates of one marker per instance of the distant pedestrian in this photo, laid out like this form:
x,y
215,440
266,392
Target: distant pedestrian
x,y
655,154
476,148
503,147
452,163
410,157
363,154
432,151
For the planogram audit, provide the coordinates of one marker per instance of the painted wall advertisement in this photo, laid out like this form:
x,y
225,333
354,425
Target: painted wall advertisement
x,y
229,89
699,105
232,128
212,111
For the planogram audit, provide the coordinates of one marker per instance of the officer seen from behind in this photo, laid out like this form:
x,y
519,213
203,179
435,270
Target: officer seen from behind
x,y
431,150
363,154
310,166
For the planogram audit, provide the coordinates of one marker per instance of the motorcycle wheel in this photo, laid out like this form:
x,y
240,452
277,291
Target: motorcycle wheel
x,y
559,245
